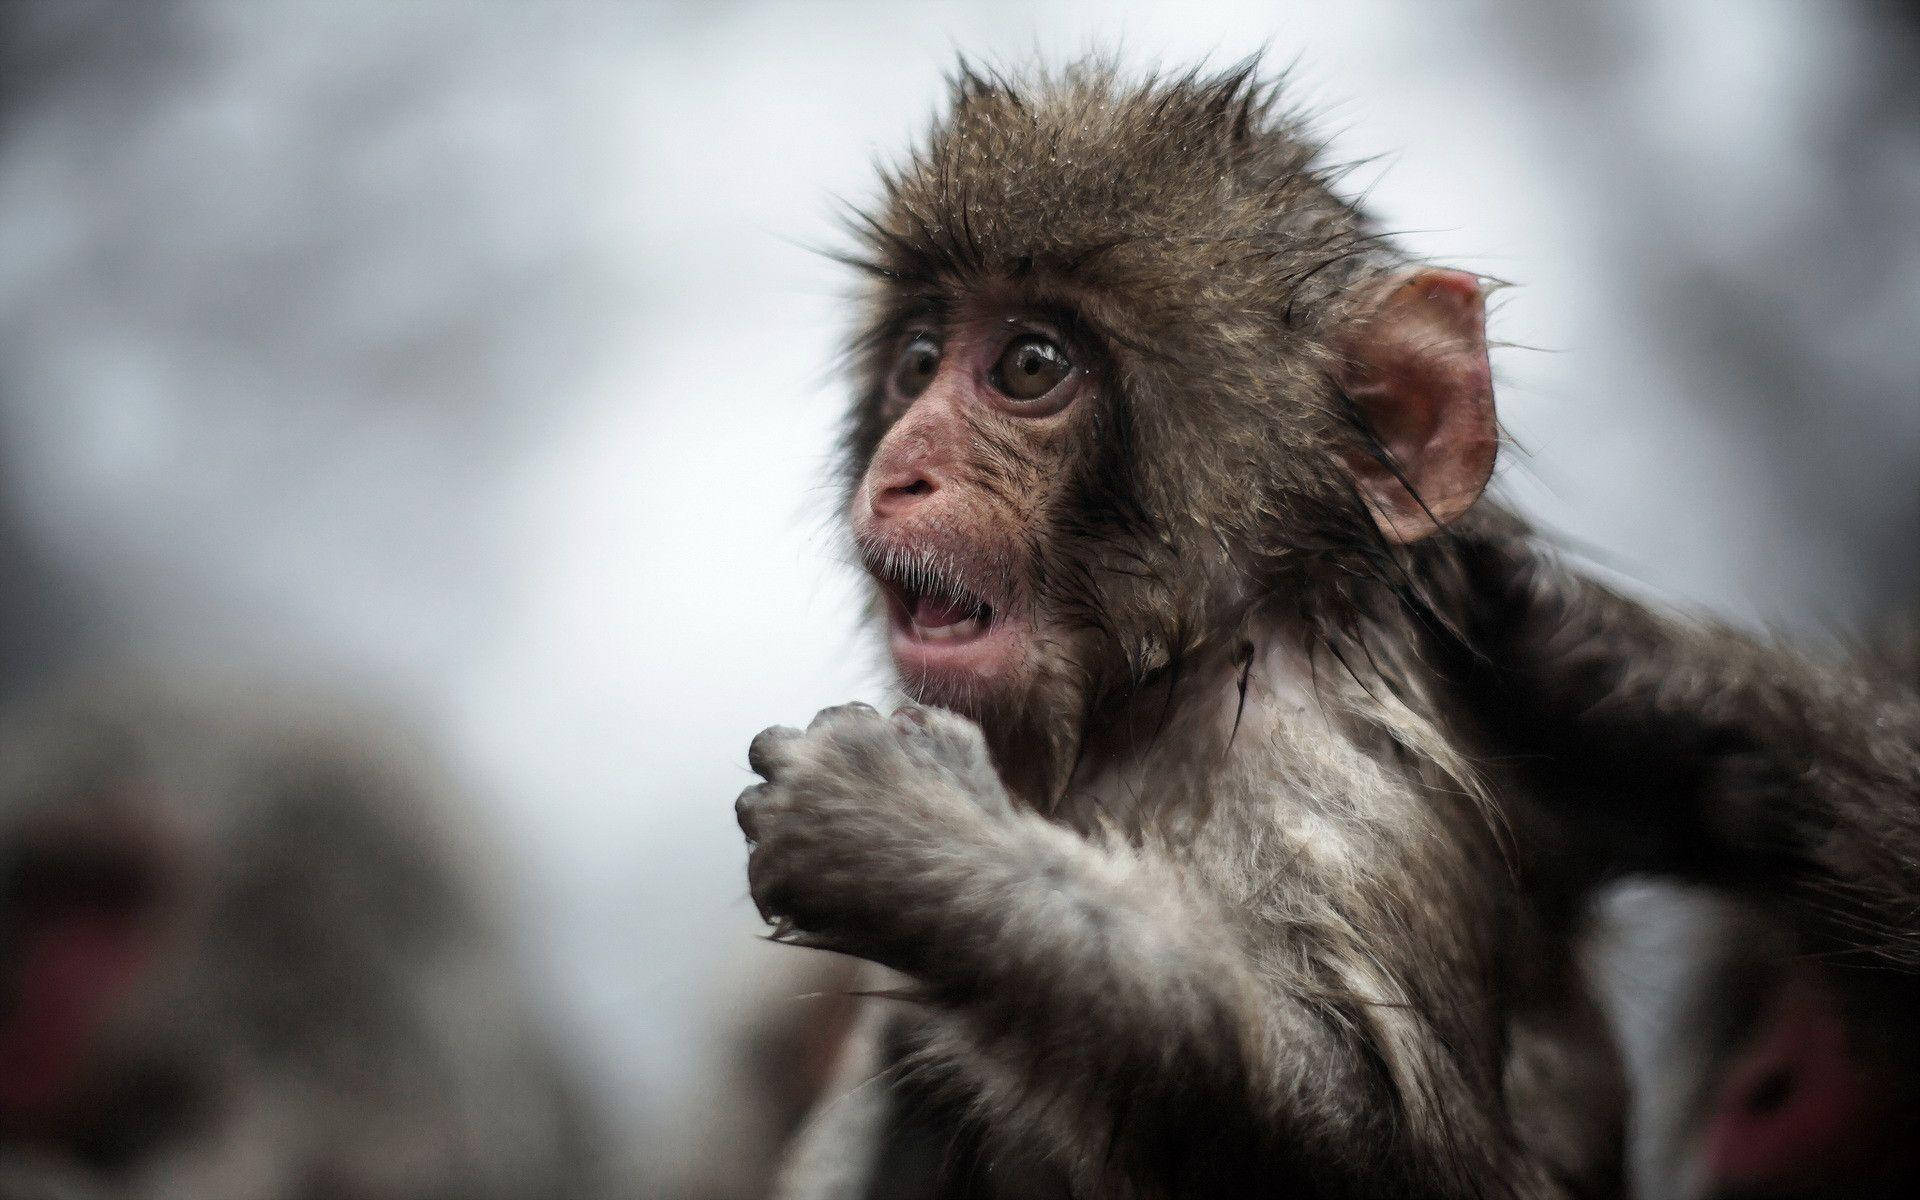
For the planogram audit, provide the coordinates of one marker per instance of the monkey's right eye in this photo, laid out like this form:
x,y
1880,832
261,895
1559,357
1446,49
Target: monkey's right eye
x,y
918,364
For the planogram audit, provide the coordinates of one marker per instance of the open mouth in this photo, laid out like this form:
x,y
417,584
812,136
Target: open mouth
x,y
931,607
952,637
933,617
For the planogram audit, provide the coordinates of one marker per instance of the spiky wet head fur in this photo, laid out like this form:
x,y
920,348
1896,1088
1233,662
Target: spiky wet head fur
x,y
1180,230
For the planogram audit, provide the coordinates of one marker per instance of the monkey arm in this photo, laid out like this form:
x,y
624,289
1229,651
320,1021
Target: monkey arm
x,y
1812,789
1093,996
1698,751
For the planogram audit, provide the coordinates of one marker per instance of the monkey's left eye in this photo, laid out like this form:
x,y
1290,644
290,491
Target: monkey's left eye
x,y
1029,368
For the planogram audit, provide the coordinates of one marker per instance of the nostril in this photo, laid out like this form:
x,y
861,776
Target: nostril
x,y
898,497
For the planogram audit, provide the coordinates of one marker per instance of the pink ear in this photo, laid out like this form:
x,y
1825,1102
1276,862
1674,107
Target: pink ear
x,y
1417,367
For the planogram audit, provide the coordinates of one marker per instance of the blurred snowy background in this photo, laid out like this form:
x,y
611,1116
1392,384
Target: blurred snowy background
x,y
470,354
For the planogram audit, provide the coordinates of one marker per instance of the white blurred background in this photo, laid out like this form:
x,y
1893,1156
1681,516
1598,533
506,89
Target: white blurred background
x,y
471,354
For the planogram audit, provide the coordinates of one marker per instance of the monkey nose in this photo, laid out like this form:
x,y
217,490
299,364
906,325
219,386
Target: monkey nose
x,y
897,496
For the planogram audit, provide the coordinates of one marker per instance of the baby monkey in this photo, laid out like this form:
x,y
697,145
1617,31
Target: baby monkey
x,y
1204,853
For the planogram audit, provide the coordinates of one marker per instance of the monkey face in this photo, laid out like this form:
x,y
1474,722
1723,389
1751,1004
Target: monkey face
x,y
953,513
88,883
1129,369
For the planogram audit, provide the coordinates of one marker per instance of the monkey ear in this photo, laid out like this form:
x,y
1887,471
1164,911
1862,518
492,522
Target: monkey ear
x,y
1416,365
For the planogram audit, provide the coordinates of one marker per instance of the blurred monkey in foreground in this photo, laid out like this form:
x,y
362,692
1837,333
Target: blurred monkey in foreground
x,y
1249,846
1784,786
1790,783
243,959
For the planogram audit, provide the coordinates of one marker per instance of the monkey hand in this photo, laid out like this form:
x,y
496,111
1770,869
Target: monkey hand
x,y
867,826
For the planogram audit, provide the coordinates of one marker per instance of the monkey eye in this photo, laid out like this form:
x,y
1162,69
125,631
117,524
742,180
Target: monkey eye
x,y
917,366
1029,368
